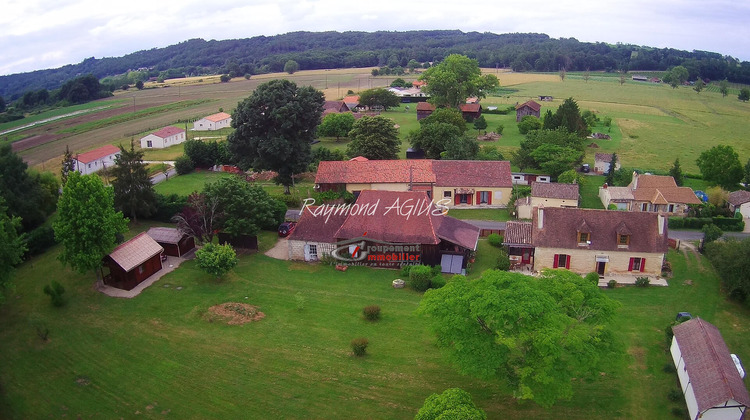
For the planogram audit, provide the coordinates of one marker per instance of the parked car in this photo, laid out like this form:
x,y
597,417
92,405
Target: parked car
x,y
286,228
585,168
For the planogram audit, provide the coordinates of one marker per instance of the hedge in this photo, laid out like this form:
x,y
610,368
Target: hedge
x,y
724,223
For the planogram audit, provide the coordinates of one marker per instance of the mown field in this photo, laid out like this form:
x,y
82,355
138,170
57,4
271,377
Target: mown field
x,y
160,354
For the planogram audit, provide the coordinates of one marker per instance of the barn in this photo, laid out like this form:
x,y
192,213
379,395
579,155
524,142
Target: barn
x,y
709,378
132,262
174,242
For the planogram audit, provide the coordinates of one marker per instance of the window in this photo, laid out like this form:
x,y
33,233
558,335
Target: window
x,y
446,194
584,237
670,208
463,198
637,264
140,269
623,240
313,251
484,197
89,165
148,143
561,261
644,207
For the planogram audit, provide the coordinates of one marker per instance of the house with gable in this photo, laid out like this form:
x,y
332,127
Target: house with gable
x,y
213,122
739,202
548,195
96,160
166,137
406,219
528,108
470,111
132,262
650,193
334,107
710,378
586,240
424,110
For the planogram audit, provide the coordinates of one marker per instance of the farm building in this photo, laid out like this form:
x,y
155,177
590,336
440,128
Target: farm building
x,y
132,262
96,160
709,378
471,111
334,107
167,136
424,110
174,242
213,122
528,108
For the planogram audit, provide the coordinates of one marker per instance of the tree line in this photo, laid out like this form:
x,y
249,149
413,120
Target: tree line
x,y
324,50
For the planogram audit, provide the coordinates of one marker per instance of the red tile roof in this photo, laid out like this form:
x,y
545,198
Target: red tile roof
x,y
97,153
661,189
352,99
470,107
374,171
709,365
531,104
560,227
135,252
554,190
738,198
425,106
168,131
419,83
472,173
221,116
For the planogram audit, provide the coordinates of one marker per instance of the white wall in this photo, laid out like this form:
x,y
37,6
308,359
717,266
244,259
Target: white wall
x,y
97,165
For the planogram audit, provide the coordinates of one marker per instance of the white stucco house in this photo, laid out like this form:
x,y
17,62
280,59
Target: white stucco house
x,y
96,160
166,137
213,122
739,202
709,377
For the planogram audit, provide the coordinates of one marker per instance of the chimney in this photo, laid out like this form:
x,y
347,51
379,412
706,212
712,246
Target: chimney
x,y
634,183
662,219
540,217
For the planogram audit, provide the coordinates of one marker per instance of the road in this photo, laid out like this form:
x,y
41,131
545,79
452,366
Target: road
x,y
160,177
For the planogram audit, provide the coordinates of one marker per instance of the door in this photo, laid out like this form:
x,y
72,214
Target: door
x,y
526,256
600,265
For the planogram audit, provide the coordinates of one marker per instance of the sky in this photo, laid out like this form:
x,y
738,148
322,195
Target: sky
x,y
41,34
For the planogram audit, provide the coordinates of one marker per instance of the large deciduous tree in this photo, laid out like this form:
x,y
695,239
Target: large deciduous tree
x,y
87,224
375,138
200,217
451,404
291,66
721,165
336,125
245,209
23,194
378,97
456,78
134,192
274,128
731,260
434,138
570,142
535,333
446,115
12,247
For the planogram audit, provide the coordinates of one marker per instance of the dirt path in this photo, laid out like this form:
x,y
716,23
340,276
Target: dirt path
x,y
280,251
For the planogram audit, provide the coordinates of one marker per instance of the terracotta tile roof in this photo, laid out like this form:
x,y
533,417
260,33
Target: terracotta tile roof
x,y
709,365
352,99
531,104
603,157
738,198
374,171
554,190
654,181
419,83
165,235
221,116
317,229
168,131
99,153
517,233
660,189
560,227
135,252
472,100
425,106
470,107
472,173
359,159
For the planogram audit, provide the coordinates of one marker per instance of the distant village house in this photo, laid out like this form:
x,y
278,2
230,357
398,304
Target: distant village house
x,y
528,108
96,160
166,137
213,122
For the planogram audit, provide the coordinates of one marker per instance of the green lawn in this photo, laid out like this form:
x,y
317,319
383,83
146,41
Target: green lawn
x,y
590,192
159,354
188,183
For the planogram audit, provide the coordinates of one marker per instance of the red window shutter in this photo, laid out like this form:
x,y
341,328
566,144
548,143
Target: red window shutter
x,y
554,263
469,198
630,266
479,200
457,199
643,264
489,197
567,262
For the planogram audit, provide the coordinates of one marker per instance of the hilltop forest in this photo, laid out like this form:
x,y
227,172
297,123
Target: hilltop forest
x,y
326,50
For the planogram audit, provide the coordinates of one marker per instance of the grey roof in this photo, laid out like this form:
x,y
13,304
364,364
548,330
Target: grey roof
x,y
620,193
135,252
165,235
738,198
554,190
709,365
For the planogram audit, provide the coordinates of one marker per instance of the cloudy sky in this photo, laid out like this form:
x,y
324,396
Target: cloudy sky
x,y
39,34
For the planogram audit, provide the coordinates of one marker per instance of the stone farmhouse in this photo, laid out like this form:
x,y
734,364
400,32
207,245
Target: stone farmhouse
x,y
650,193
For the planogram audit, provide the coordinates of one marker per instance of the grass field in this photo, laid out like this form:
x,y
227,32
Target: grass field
x,y
160,355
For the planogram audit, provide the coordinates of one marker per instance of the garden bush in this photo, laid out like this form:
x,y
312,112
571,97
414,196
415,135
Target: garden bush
x,y
495,240
167,206
612,284
55,291
359,346
592,277
437,281
183,165
503,261
371,312
419,277
642,281
292,201
674,395
405,270
39,240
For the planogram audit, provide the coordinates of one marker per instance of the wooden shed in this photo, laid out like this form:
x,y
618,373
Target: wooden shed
x,y
174,242
132,262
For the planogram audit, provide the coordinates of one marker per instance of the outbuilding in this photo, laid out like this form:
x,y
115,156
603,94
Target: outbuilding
x,y
709,378
96,160
166,137
132,262
213,122
174,242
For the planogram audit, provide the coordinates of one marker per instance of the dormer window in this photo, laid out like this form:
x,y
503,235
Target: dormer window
x,y
584,237
583,233
623,235
623,240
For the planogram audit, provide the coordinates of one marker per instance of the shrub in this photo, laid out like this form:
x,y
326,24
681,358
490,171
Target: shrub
x,y
436,270
593,277
495,240
674,395
503,261
405,270
183,165
612,284
419,277
292,200
437,281
55,291
40,240
642,281
167,206
359,346
371,312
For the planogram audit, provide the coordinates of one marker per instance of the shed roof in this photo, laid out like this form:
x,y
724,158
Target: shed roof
x,y
738,198
425,106
531,104
554,190
166,235
709,365
474,107
603,157
135,252
99,153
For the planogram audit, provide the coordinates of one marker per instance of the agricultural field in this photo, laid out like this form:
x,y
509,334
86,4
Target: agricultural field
x,y
162,354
